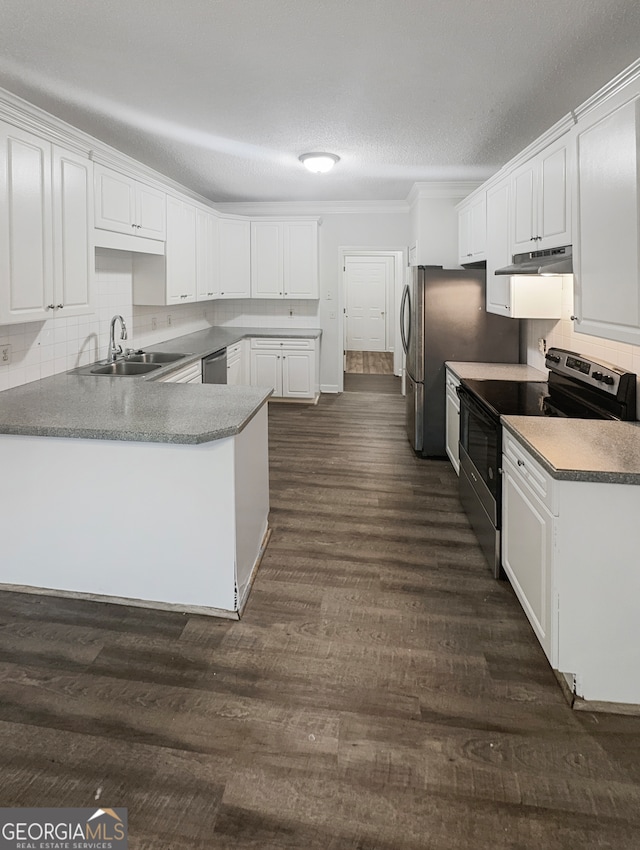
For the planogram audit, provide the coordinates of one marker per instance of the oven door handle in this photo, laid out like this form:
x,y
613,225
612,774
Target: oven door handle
x,y
474,407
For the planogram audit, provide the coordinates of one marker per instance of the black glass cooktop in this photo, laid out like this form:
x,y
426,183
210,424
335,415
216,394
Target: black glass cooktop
x,y
533,398
512,398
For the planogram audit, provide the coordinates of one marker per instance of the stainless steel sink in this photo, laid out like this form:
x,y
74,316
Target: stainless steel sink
x,y
124,367
154,357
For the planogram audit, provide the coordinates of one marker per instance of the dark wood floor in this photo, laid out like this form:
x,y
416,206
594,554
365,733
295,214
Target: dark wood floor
x,y
382,691
369,362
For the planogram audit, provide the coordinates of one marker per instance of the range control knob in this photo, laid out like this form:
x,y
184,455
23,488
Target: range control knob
x,y
553,357
597,376
608,379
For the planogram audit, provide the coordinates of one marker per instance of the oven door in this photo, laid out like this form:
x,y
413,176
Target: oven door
x,y
479,482
480,439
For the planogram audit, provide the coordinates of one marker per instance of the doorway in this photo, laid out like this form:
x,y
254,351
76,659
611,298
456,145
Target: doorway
x,y
370,280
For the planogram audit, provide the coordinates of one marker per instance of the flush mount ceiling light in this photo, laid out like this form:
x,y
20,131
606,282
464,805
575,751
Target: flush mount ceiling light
x,y
319,163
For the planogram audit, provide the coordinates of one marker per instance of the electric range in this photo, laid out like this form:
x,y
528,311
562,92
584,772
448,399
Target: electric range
x,y
577,387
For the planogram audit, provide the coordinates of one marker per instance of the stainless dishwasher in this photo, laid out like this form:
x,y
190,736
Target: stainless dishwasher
x,y
214,368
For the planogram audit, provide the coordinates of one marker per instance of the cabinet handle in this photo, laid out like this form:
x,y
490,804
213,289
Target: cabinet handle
x,y
520,462
50,307
59,306
133,225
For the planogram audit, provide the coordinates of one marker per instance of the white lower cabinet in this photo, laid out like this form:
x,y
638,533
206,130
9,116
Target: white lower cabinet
x,y
288,366
569,549
527,535
235,365
453,420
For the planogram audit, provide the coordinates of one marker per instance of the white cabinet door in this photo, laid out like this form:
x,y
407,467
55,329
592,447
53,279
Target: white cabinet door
x,y
542,201
180,252
266,259
527,552
206,255
284,259
115,201
125,205
498,248
472,230
300,259
150,216
298,373
525,216
266,370
235,364
72,232
26,244
554,197
234,258
607,255
452,420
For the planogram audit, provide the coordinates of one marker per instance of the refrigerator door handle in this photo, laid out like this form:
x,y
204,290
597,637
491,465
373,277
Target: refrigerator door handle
x,y
403,304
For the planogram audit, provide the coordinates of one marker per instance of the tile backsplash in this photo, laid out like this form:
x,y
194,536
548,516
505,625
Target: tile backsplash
x,y
562,334
41,349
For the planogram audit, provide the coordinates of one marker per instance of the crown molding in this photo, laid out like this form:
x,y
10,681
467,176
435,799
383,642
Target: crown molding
x,y
617,84
312,208
453,190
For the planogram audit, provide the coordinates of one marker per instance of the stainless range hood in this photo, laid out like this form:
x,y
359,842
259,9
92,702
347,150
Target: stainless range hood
x,y
549,261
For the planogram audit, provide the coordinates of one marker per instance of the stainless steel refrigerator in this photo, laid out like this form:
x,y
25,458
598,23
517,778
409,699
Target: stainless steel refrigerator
x,y
443,317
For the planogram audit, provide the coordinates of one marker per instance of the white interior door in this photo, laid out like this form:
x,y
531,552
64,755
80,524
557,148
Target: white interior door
x,y
368,281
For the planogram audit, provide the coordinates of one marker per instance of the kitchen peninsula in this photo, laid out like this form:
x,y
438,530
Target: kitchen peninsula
x,y
129,490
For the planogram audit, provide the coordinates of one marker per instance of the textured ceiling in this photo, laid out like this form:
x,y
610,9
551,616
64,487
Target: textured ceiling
x,y
223,95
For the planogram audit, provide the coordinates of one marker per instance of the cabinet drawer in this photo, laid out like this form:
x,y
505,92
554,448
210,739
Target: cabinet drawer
x,y
191,374
538,479
293,344
234,350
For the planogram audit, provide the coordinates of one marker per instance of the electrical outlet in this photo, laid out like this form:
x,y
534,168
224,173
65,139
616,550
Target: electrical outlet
x,y
169,321
542,345
5,355
154,323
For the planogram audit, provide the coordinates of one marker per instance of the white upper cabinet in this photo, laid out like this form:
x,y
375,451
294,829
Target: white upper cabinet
x,y
472,230
541,201
45,248
125,205
169,279
73,254
234,258
515,296
284,259
498,248
267,276
207,285
607,251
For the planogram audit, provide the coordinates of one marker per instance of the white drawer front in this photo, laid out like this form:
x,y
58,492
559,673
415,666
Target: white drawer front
x,y
234,350
293,344
538,478
191,374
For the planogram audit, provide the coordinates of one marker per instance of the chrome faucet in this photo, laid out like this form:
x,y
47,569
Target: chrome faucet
x,y
115,350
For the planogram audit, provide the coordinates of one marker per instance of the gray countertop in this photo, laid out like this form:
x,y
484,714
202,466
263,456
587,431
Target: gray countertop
x,y
140,409
581,449
495,371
